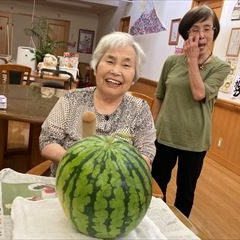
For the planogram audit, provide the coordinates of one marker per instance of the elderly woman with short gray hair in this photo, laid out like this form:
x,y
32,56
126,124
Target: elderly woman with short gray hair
x,y
116,63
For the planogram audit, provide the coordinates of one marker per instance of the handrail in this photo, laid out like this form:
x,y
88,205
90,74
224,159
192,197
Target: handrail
x,y
56,73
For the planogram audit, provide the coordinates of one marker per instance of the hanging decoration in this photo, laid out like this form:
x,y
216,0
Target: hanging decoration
x,y
32,43
236,11
148,22
236,89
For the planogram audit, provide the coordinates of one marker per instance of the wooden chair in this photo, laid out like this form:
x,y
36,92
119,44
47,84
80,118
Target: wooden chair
x,y
56,84
143,96
41,169
14,74
85,75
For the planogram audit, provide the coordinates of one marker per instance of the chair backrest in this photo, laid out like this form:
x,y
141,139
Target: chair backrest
x,y
14,74
143,96
56,84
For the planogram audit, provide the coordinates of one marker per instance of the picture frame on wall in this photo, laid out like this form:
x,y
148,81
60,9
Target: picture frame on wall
x,y
85,41
234,43
174,35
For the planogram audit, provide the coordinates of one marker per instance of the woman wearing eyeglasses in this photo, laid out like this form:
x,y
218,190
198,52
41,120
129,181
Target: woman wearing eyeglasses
x,y
185,96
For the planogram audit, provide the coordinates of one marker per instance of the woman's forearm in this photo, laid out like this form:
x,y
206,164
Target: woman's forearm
x,y
196,82
53,151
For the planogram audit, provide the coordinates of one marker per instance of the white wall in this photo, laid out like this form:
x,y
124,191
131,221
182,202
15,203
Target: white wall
x,y
109,21
156,45
226,24
222,41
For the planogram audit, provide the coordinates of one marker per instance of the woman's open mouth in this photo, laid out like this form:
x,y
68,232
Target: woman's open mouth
x,y
113,82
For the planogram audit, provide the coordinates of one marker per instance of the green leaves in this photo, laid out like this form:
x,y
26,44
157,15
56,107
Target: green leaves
x,y
42,32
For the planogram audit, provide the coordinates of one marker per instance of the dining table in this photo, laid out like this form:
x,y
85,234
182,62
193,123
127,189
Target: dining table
x,y
25,104
27,211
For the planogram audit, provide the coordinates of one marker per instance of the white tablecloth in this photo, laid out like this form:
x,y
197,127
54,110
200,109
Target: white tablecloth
x,y
44,219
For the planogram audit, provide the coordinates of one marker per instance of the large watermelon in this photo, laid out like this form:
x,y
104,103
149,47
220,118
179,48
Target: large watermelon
x,y
104,186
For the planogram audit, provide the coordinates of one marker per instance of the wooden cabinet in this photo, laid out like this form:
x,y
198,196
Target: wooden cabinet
x,y
225,147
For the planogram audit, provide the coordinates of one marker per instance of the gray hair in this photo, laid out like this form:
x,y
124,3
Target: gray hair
x,y
115,40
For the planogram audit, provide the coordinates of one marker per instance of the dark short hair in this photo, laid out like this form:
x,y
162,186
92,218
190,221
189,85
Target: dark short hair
x,y
196,14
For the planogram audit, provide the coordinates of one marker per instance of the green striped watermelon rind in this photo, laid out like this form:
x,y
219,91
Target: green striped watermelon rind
x,y
102,191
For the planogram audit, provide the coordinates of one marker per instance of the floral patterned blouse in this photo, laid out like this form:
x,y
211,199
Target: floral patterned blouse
x,y
132,119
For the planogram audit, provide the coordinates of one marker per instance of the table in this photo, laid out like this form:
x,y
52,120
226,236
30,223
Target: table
x,y
26,104
15,184
157,192
50,77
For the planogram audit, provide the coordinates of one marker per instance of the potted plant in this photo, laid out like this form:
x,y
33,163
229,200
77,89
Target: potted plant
x,y
41,31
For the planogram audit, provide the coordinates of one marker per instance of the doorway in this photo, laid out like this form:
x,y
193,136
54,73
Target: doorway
x,y
124,24
216,5
59,32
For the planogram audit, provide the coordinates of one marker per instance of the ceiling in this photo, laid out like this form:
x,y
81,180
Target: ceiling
x,y
88,6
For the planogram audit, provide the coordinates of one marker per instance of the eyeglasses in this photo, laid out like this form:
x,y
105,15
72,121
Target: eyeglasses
x,y
197,30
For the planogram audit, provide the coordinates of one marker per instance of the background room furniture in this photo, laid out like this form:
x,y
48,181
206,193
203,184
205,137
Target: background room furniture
x,y
225,134
14,74
86,75
25,104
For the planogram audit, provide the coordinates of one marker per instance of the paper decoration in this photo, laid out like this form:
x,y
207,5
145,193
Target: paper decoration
x,y
236,11
148,22
236,89
230,79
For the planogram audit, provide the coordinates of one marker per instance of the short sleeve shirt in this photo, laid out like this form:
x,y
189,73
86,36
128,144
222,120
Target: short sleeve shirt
x,y
182,122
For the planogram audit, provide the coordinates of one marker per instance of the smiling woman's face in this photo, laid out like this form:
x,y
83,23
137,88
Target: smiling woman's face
x,y
116,70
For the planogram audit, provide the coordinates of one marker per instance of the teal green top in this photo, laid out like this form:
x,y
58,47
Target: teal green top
x,y
183,122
